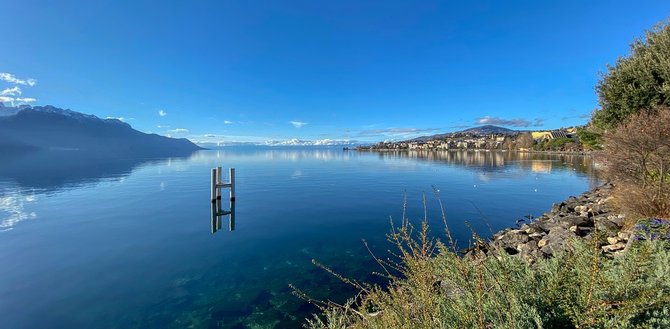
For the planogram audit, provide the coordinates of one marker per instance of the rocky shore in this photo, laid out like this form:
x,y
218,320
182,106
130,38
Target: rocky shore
x,y
580,216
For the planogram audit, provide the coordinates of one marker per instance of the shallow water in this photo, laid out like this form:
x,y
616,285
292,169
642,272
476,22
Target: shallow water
x,y
129,243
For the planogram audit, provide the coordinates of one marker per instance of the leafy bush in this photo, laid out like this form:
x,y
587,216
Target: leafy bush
x,y
590,140
639,82
556,144
637,155
434,287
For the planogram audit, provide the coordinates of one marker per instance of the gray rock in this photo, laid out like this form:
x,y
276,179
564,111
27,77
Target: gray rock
x,y
618,220
607,227
555,241
614,247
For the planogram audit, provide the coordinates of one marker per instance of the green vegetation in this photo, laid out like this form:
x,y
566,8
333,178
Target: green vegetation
x,y
589,140
579,288
556,144
638,82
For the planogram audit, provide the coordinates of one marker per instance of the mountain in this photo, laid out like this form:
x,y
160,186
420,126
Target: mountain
x,y
474,131
488,130
29,128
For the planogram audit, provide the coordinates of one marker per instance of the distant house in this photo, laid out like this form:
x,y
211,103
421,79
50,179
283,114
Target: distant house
x,y
558,134
541,135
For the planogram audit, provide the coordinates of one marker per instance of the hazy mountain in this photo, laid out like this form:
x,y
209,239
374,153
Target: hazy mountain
x,y
488,130
50,128
475,131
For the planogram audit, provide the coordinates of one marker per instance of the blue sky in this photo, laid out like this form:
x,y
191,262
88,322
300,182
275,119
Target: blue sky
x,y
357,70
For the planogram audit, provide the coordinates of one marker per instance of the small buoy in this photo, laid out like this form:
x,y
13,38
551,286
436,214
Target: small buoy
x,y
535,190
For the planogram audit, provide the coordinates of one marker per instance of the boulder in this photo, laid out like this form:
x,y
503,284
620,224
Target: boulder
x,y
618,220
555,241
614,247
607,227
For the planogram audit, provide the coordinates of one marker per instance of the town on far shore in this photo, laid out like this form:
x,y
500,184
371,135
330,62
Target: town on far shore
x,y
492,138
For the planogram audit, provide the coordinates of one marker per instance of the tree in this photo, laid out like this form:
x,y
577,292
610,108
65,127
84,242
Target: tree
x,y
638,82
590,140
637,154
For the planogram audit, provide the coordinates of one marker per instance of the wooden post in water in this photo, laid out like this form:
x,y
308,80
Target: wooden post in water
x,y
218,182
215,186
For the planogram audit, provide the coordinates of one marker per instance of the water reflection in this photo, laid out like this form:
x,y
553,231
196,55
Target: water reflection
x,y
493,161
218,213
53,170
13,209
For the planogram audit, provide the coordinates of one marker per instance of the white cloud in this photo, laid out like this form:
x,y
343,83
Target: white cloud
x,y
8,77
488,120
26,100
162,113
162,126
14,91
227,122
298,124
4,99
178,130
122,119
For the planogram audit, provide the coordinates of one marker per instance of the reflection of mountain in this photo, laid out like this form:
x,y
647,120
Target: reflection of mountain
x,y
52,170
51,128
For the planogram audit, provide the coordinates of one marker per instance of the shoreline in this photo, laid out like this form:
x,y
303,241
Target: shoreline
x,y
583,153
580,216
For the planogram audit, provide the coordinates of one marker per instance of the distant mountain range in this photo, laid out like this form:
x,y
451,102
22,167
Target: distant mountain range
x,y
475,131
28,128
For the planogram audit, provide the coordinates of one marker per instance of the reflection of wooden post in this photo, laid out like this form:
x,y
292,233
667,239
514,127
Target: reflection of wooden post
x,y
231,173
215,217
231,222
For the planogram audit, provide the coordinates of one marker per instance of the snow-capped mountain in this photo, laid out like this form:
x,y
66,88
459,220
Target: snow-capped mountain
x,y
51,128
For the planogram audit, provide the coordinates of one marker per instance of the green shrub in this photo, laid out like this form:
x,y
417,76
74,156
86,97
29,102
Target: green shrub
x,y
437,288
638,82
590,140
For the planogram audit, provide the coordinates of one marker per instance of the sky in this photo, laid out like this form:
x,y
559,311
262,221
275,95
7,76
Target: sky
x,y
365,71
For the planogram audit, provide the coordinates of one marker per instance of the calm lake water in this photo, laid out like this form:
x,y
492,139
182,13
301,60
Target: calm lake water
x,y
129,243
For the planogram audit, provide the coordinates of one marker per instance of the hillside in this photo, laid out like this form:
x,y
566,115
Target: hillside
x,y
50,128
474,131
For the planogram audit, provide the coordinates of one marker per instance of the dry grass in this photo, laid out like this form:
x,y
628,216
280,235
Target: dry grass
x,y
637,155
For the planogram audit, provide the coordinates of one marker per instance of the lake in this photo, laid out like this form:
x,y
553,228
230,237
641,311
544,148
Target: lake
x,y
128,243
